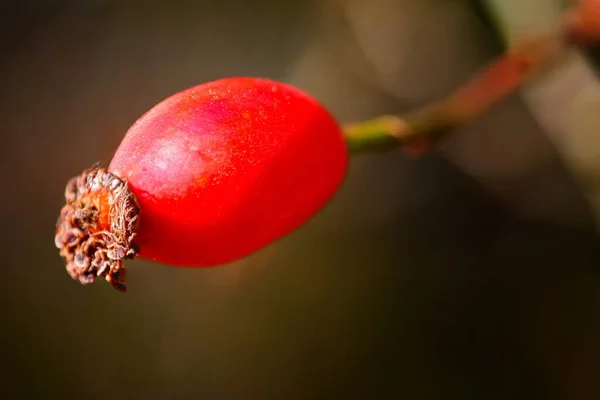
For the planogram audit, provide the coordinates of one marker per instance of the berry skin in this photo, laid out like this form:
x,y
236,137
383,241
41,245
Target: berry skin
x,y
208,176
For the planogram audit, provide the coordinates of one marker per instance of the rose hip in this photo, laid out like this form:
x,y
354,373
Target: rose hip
x,y
208,176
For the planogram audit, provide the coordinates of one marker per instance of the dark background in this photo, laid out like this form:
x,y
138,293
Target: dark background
x,y
472,273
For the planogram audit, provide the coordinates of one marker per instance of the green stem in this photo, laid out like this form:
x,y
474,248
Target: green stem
x,y
387,132
377,134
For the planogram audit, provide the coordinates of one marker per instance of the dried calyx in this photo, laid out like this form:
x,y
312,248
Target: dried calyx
x,y
96,227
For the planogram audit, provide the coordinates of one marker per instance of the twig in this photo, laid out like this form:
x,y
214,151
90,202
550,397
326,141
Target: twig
x,y
417,132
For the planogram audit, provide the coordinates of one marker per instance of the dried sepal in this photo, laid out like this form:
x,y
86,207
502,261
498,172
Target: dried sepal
x,y
96,227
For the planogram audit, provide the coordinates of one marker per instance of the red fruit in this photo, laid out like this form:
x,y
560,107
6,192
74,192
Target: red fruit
x,y
208,176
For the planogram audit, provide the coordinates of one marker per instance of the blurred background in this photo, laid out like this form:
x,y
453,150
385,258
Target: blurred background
x,y
471,273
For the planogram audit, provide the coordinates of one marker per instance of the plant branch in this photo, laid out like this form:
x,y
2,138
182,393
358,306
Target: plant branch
x,y
417,132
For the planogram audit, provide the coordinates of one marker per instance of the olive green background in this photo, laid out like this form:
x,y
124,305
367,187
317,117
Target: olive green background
x,y
472,273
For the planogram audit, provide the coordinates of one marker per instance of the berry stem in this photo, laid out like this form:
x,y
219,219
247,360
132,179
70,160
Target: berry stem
x,y
417,132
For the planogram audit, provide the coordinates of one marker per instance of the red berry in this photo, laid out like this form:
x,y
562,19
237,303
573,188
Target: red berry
x,y
208,176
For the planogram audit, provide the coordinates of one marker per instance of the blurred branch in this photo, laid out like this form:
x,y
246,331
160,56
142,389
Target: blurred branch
x,y
583,22
417,132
